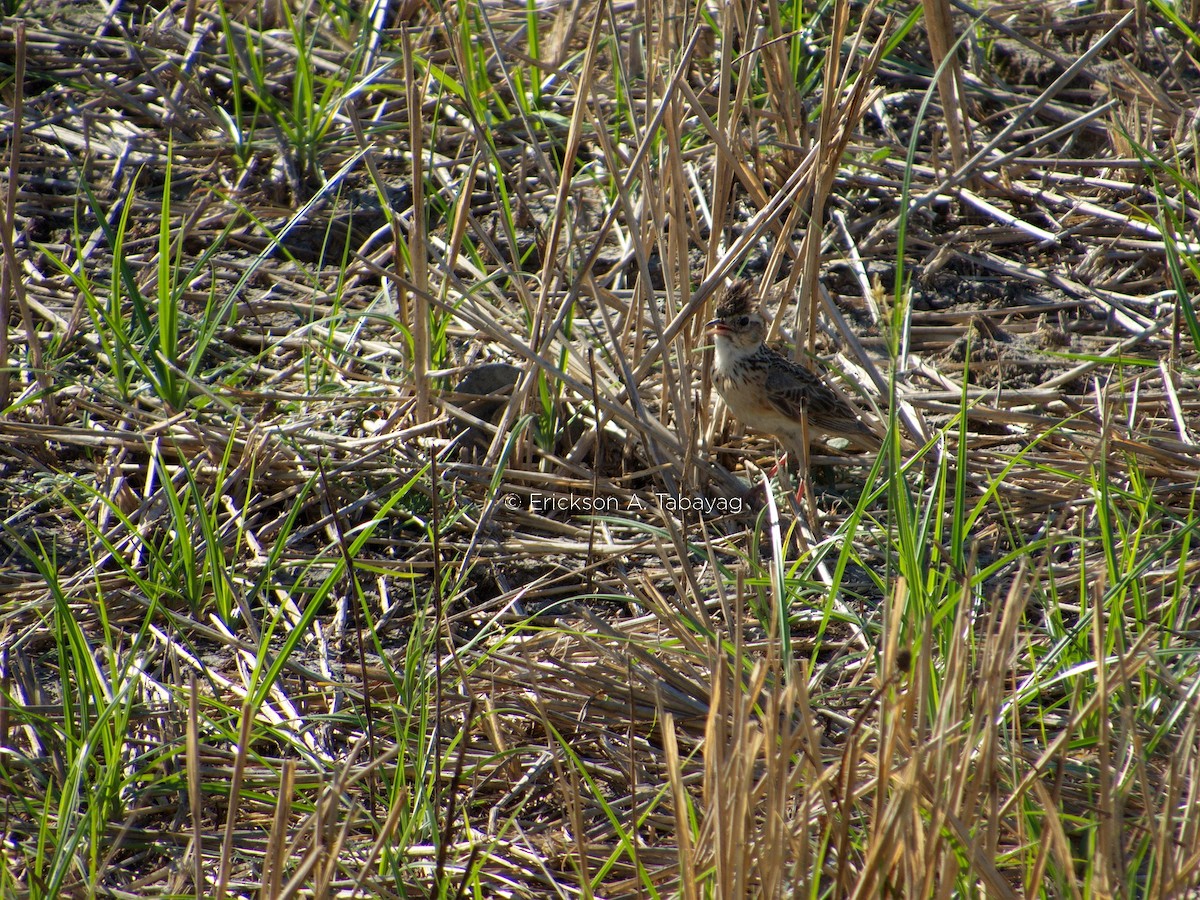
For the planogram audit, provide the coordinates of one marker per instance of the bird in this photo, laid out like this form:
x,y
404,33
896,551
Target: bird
x,y
769,392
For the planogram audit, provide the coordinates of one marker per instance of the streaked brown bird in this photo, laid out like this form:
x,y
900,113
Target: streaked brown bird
x,y
769,392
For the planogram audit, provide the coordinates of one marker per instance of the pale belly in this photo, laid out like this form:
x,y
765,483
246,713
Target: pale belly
x,y
748,403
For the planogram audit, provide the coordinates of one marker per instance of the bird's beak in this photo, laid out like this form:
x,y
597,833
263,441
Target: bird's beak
x,y
716,326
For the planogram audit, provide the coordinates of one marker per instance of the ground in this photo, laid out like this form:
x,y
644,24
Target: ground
x,y
281,616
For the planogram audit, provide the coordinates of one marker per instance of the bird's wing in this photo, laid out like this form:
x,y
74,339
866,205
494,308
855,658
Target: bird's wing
x,y
794,390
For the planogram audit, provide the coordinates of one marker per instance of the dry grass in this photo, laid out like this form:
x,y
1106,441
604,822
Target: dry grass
x,y
285,614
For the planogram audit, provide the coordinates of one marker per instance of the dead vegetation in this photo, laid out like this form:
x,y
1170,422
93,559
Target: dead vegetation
x,y
288,609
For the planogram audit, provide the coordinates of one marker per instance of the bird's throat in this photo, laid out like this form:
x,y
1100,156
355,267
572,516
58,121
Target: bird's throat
x,y
729,353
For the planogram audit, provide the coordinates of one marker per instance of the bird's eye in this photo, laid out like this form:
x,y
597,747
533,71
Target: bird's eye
x,y
743,321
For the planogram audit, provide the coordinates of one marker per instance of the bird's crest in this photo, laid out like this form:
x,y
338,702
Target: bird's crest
x,y
738,300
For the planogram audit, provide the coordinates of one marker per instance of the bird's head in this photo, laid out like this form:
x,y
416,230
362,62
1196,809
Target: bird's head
x,y
737,319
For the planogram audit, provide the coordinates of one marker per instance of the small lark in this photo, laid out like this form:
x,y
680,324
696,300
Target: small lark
x,y
773,394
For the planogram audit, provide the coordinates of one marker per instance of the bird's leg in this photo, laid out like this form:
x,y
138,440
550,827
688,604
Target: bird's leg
x,y
802,459
796,495
779,470
805,498
780,464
